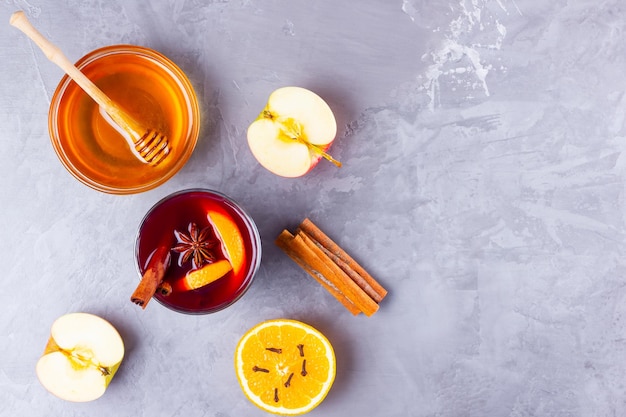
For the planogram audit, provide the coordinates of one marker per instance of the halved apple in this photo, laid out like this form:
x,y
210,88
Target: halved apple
x,y
293,132
82,355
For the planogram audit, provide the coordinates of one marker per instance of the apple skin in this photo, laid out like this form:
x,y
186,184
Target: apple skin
x,y
81,357
293,132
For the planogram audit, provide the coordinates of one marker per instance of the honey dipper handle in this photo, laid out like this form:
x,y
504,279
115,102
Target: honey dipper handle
x,y
54,54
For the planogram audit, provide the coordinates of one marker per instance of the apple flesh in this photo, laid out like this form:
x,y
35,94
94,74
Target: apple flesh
x,y
82,355
293,132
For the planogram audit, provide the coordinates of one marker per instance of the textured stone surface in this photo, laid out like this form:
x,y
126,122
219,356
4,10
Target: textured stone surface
x,y
483,185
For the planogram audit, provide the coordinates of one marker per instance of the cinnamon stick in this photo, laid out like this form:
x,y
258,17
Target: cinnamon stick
x,y
343,260
153,276
285,242
354,276
337,276
333,268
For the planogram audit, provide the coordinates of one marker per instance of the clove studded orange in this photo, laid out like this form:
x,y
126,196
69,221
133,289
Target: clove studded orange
x,y
285,366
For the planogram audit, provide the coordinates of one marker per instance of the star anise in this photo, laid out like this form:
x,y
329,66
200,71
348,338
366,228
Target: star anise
x,y
196,245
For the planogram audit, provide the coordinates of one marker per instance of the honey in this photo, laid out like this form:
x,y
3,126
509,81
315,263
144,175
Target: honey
x,y
147,86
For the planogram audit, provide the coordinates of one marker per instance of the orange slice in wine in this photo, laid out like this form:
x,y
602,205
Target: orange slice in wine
x,y
200,277
230,236
285,366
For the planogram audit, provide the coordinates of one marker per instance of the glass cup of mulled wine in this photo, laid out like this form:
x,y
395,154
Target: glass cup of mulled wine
x,y
214,250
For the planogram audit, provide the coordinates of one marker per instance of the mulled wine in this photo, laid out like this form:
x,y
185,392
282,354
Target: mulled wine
x,y
215,250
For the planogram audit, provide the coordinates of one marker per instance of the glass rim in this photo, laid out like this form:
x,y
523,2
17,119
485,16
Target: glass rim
x,y
251,226
164,63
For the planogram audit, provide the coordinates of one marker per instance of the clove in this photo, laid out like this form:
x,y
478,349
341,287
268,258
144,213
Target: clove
x,y
257,369
288,382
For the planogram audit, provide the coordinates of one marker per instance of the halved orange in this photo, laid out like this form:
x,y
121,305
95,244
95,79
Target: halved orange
x,y
228,233
285,366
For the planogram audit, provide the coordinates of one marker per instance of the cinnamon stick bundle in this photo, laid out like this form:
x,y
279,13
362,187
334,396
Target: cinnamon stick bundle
x,y
153,276
333,268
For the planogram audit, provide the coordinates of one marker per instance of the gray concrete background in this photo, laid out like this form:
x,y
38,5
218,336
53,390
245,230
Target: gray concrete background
x,y
483,185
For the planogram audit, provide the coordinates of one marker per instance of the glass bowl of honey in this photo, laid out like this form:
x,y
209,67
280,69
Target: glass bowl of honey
x,y
150,88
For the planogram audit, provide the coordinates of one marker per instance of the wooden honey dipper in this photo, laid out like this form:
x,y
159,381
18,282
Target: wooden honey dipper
x,y
147,144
